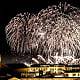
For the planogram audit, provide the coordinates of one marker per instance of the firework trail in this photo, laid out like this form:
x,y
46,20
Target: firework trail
x,y
53,33
16,32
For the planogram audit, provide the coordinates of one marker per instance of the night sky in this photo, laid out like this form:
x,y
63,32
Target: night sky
x,y
8,9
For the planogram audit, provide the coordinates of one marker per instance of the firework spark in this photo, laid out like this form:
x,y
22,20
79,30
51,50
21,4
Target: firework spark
x,y
53,33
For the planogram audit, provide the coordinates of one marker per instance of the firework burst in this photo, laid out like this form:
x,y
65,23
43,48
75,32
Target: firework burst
x,y
53,33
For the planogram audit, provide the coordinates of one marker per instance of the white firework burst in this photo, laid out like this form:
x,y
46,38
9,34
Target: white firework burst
x,y
53,33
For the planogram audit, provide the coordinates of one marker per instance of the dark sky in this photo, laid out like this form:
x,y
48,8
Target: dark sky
x,y
9,9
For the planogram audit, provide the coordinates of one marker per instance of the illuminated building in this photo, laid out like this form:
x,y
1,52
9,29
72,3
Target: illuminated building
x,y
53,71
